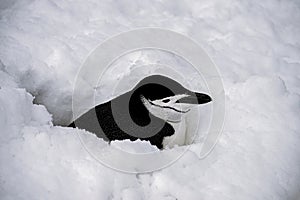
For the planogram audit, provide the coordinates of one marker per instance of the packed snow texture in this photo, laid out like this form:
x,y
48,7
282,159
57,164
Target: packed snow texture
x,y
256,46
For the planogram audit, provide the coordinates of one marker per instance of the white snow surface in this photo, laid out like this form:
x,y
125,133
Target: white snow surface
x,y
256,46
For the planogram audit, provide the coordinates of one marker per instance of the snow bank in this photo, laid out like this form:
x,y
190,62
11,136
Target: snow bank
x,y
40,161
255,45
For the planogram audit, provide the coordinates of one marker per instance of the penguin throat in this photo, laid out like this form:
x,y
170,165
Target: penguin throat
x,y
166,113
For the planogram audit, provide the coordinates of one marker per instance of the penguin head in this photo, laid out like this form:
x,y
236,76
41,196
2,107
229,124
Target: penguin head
x,y
167,99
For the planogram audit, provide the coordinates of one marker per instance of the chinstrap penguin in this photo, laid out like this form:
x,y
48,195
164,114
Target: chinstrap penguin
x,y
150,111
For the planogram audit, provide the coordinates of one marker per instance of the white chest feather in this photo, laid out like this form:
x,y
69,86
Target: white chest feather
x,y
179,136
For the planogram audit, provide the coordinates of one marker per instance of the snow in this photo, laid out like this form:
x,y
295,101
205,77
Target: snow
x,y
254,44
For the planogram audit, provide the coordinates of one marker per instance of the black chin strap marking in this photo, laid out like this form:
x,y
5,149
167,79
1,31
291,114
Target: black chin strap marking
x,y
180,111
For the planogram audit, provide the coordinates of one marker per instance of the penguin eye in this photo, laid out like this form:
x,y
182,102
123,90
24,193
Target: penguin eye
x,y
166,100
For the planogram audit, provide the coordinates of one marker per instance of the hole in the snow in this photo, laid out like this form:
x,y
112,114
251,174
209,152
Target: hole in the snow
x,y
115,83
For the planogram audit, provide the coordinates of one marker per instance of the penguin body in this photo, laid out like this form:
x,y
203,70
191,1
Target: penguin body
x,y
153,110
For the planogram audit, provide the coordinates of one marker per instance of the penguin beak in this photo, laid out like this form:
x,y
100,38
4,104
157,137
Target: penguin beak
x,y
196,98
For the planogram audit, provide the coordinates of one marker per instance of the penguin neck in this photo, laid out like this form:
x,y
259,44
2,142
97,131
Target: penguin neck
x,y
179,137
